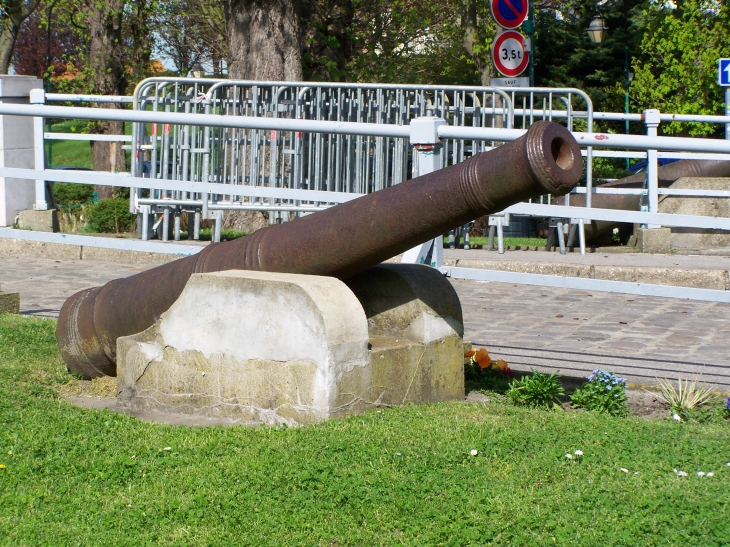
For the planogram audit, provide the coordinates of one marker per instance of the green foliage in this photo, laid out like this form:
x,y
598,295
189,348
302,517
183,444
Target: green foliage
x,y
685,398
110,215
604,392
77,476
70,196
681,48
538,390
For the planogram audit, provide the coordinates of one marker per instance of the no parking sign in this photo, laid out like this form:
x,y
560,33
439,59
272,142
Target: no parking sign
x,y
509,14
508,53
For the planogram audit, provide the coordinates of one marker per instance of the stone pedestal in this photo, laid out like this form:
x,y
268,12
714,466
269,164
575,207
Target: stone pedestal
x,y
298,349
653,240
16,148
9,302
698,239
39,221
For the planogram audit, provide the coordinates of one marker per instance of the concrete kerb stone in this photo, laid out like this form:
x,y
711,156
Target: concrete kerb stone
x,y
16,248
699,278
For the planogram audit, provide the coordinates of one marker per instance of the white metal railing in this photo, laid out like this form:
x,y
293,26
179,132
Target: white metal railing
x,y
650,146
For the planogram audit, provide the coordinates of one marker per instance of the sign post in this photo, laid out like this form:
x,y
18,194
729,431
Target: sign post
x,y
723,79
508,53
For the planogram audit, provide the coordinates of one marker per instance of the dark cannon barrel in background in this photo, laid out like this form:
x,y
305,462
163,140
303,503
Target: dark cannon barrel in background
x,y
340,242
667,175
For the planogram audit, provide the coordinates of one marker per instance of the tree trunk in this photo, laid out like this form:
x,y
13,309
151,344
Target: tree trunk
x,y
264,43
104,19
264,39
469,22
15,12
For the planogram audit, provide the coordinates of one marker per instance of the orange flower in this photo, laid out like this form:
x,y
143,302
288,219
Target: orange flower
x,y
470,353
501,364
482,358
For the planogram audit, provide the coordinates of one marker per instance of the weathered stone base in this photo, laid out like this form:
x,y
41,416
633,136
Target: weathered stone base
x,y
39,221
297,349
9,302
653,240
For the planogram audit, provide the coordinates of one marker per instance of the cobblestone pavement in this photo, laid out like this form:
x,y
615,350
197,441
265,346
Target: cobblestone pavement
x,y
530,327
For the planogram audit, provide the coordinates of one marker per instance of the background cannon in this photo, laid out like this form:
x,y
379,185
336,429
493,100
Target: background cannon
x,y
338,242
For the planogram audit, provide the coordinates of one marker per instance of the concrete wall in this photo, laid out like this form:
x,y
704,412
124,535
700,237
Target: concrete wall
x,y
16,147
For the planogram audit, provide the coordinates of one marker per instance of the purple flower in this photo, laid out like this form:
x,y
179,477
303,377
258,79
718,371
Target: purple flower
x,y
728,403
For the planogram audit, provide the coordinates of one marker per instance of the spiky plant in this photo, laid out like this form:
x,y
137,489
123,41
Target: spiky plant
x,y
687,396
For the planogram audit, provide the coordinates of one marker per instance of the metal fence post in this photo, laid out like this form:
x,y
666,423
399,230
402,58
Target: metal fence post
x,y
652,121
38,96
426,159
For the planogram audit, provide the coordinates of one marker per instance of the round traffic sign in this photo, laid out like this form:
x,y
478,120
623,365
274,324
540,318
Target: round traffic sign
x,y
508,53
509,14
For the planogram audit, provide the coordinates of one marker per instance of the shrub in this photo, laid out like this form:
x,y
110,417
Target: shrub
x,y
604,392
69,195
537,390
687,397
110,215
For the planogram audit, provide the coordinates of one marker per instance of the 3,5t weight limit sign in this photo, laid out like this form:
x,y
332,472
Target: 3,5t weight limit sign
x,y
508,53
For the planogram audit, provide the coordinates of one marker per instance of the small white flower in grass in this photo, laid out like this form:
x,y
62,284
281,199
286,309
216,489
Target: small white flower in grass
x,y
681,473
474,452
728,464
578,453
569,456
700,473
623,469
674,470
167,448
677,417
710,474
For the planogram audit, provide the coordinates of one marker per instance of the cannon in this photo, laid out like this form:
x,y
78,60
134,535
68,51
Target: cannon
x,y
667,175
339,242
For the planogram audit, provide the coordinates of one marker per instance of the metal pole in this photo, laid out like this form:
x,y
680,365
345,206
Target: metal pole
x,y
626,73
727,112
652,120
38,96
531,32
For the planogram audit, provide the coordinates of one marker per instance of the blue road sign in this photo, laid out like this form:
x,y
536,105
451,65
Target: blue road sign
x,y
723,76
509,14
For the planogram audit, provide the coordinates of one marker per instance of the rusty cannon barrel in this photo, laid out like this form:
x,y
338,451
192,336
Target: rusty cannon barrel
x,y
667,175
340,242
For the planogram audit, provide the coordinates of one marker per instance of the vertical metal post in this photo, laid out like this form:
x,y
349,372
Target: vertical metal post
x,y
652,120
38,96
217,228
166,224
582,236
177,225
490,241
727,112
145,209
196,226
500,236
531,33
561,237
427,158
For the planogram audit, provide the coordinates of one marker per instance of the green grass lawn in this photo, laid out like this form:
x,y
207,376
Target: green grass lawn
x,y
400,476
508,241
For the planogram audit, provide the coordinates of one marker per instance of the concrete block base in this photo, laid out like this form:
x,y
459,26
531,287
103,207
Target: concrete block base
x,y
298,349
39,221
654,240
9,302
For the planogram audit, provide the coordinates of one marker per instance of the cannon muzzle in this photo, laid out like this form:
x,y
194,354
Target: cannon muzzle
x,y
338,242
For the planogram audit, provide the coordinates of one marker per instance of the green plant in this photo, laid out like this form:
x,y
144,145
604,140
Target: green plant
x,y
110,215
79,476
685,398
537,390
603,392
72,196
481,373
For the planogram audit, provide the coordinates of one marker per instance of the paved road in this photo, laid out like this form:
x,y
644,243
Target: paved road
x,y
573,331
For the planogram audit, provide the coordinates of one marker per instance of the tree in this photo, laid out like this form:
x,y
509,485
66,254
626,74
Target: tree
x,y
264,39
12,15
678,72
45,43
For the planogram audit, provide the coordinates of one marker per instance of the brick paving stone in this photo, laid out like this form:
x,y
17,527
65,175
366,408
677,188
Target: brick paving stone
x,y
661,337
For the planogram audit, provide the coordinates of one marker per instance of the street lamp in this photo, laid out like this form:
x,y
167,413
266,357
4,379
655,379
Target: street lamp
x,y
597,30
